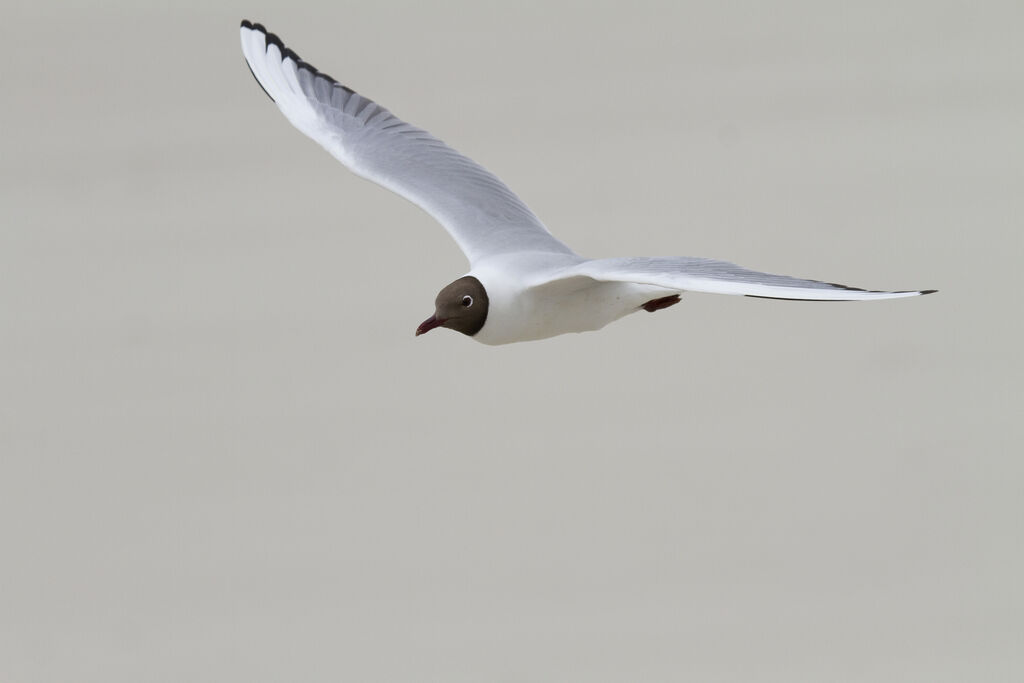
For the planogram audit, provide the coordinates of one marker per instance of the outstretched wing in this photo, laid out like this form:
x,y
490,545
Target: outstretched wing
x,y
720,277
478,210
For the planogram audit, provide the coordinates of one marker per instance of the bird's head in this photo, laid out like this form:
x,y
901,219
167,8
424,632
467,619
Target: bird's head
x,y
461,306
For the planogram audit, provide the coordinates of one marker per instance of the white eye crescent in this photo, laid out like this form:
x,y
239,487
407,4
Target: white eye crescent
x,y
467,301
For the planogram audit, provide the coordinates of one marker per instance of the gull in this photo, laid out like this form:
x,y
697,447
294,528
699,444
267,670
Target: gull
x,y
523,283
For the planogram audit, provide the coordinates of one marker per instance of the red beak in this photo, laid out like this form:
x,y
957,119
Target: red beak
x,y
429,324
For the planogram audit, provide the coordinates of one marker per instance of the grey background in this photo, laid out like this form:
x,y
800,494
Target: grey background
x,y
224,456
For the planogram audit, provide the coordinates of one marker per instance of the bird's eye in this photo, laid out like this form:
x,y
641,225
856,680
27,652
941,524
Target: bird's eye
x,y
467,301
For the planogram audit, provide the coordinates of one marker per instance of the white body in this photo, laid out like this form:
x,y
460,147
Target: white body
x,y
546,305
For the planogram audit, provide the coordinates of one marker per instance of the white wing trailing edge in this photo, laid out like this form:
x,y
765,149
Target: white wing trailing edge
x,y
480,212
720,277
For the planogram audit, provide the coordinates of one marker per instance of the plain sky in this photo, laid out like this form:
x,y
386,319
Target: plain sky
x,y
225,457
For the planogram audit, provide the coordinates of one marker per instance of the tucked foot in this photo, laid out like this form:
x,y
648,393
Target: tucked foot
x,y
658,304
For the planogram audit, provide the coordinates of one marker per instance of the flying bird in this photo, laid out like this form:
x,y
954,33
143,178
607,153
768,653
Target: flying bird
x,y
523,283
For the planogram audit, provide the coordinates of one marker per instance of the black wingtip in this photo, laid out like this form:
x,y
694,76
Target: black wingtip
x,y
272,39
846,287
258,27
286,53
928,291
253,25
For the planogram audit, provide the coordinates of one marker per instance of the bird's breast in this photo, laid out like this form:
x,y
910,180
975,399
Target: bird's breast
x,y
578,304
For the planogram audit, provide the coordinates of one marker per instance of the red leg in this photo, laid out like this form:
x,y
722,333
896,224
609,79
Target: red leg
x,y
658,304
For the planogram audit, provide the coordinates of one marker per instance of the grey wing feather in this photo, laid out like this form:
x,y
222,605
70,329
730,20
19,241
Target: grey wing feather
x,y
721,277
481,213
